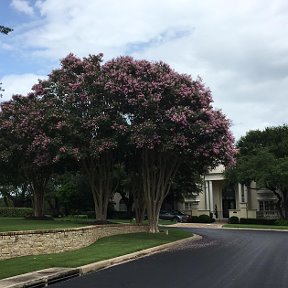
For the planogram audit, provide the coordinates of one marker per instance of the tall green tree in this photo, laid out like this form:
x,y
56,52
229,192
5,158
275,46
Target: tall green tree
x,y
263,158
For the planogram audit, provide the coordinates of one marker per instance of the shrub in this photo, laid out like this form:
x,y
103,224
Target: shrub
x,y
194,219
15,212
257,221
233,220
281,222
205,219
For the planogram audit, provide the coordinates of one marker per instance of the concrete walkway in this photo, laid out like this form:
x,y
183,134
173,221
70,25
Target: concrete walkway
x,y
215,225
48,276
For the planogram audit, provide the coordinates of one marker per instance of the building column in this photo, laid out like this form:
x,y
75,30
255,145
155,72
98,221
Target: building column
x,y
245,193
207,204
239,194
211,196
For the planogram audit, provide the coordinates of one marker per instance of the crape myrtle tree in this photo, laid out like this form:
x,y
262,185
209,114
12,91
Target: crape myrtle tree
x,y
263,157
27,142
91,124
171,121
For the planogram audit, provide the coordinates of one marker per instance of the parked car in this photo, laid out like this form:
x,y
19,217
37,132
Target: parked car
x,y
174,215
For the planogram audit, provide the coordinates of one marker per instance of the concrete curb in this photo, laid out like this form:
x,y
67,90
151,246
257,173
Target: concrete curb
x,y
39,278
255,229
48,276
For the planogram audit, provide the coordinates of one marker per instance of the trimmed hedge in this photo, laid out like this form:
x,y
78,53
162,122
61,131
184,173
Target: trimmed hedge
x,y
258,221
201,219
15,212
205,219
233,220
281,222
194,219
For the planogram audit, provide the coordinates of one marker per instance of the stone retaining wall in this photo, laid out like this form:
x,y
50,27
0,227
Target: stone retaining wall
x,y
22,243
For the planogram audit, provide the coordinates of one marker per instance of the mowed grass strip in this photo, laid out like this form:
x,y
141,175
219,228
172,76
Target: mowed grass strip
x,y
18,224
253,226
104,248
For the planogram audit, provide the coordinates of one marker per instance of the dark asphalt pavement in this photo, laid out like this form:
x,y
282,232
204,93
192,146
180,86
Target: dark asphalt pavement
x,y
222,259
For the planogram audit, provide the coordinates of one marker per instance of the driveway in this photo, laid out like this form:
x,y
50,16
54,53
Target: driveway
x,y
222,259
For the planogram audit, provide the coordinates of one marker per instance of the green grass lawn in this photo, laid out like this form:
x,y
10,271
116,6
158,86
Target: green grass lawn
x,y
16,224
252,226
104,248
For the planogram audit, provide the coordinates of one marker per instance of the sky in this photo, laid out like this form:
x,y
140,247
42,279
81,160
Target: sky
x,y
238,47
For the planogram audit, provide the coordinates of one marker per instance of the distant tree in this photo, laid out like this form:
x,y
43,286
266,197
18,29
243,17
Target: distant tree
x,y
188,182
263,158
5,30
171,121
68,193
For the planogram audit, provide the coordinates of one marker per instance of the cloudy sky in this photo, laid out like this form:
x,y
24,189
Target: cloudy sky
x,y
238,47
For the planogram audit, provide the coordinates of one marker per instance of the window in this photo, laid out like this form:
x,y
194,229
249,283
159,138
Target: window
x,y
188,206
266,205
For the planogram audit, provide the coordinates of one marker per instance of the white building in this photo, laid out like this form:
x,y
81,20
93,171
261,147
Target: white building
x,y
222,203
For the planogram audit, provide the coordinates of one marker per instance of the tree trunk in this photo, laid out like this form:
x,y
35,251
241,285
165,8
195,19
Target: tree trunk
x,y
285,203
139,214
38,204
279,203
100,176
158,172
38,183
140,205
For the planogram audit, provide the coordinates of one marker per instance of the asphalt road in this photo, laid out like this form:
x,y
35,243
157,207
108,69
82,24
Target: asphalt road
x,y
222,259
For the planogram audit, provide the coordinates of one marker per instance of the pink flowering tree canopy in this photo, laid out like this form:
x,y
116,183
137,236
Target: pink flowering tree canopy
x,y
27,141
89,111
91,125
171,121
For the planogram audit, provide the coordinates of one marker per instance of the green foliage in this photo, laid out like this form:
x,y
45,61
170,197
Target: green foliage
x,y
69,194
194,219
233,220
257,221
205,219
263,158
15,212
5,30
281,222
187,182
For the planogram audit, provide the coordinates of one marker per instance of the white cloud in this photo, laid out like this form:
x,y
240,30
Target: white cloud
x,y
22,6
18,84
238,47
